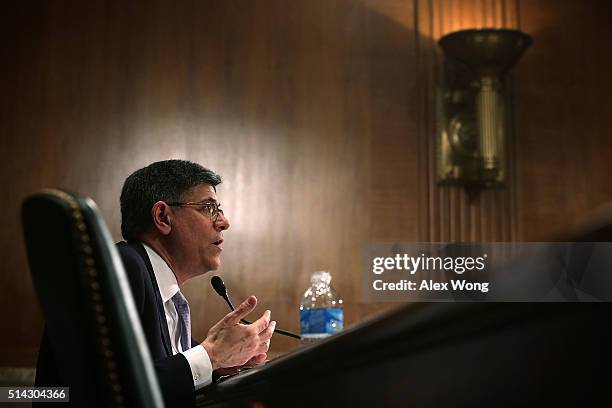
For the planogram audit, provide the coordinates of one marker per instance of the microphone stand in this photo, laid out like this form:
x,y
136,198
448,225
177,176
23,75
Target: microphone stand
x,y
219,287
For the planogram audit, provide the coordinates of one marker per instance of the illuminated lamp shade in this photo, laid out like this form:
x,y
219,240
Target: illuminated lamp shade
x,y
472,105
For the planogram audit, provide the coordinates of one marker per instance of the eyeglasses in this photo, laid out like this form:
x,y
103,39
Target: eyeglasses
x,y
210,208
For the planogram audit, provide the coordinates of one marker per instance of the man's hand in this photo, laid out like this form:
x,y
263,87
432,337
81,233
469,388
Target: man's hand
x,y
230,343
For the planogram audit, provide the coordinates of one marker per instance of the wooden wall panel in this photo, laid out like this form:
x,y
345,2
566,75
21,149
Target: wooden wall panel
x,y
320,115
448,213
305,107
564,148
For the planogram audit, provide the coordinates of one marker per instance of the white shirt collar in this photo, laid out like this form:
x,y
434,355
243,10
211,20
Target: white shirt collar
x,y
168,286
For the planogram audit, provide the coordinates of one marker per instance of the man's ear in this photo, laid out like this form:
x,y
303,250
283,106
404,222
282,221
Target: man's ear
x,y
161,215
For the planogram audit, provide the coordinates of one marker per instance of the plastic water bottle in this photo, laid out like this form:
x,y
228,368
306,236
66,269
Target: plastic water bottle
x,y
321,310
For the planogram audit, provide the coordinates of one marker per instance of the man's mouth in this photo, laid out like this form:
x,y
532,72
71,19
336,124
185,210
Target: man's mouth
x,y
218,243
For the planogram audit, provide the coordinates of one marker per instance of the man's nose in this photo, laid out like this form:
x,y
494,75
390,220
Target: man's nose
x,y
222,223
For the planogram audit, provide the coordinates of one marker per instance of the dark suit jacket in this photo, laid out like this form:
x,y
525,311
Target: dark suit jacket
x,y
173,372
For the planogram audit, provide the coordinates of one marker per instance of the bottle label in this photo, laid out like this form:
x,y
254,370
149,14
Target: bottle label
x,y
321,321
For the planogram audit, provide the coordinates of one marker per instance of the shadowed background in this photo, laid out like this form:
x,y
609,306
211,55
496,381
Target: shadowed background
x,y
319,115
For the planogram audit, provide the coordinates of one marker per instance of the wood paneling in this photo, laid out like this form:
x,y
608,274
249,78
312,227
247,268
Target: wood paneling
x,y
448,214
320,115
564,141
305,107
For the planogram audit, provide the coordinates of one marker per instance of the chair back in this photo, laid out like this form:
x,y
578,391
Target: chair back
x,y
92,326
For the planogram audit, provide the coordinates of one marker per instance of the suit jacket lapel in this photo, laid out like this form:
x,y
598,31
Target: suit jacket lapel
x,y
163,325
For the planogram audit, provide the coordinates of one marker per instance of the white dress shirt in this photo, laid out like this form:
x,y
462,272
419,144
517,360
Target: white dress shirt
x,y
197,357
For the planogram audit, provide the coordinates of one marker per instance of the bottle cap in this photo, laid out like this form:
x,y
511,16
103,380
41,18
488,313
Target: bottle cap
x,y
320,276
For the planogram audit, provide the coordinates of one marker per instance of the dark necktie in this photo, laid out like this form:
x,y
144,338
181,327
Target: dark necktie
x,y
182,307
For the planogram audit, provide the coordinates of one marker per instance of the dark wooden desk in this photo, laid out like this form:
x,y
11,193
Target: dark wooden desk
x,y
441,355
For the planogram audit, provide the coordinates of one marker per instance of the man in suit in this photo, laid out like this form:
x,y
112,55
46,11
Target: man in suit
x,y
173,226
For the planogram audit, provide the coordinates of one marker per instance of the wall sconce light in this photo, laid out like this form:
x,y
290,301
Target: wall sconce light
x,y
471,103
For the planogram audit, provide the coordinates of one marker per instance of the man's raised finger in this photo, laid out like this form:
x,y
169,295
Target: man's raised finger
x,y
241,311
262,323
268,332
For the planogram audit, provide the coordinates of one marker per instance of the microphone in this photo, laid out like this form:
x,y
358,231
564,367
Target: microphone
x,y
219,287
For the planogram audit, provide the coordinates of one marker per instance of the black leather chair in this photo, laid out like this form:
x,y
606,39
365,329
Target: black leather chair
x,y
92,329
